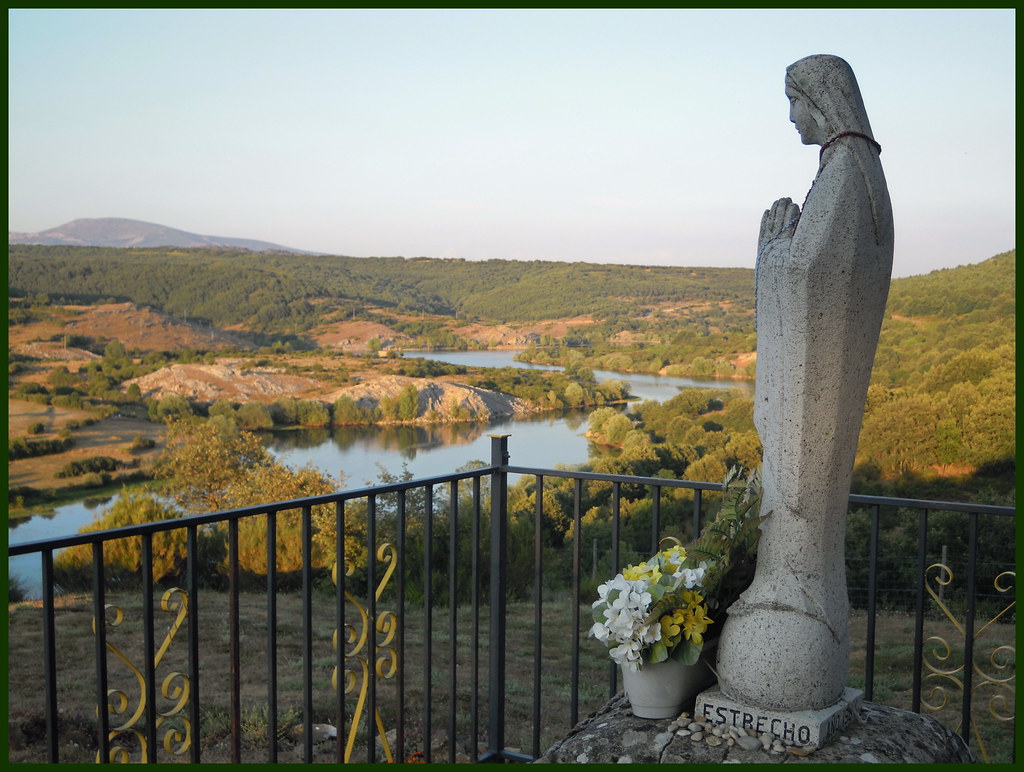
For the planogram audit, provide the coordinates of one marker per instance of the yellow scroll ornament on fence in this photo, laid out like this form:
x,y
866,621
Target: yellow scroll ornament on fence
x,y
996,680
175,687
357,653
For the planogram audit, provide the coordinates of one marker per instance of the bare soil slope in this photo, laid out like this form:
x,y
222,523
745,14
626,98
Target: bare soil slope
x,y
134,326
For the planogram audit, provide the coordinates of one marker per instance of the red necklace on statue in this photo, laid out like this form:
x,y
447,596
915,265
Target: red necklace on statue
x,y
842,134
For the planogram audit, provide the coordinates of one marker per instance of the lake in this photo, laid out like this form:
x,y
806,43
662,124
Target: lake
x,y
356,455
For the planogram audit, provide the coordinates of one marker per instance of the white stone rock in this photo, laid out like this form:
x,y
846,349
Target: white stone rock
x,y
822,282
748,743
714,741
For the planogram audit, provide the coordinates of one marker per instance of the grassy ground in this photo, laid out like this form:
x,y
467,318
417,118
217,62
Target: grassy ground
x,y
105,437
76,678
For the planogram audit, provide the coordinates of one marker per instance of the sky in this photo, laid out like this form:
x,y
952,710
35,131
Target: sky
x,y
649,137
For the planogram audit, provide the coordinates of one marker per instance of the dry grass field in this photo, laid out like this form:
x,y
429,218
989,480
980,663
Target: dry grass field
x,y
111,436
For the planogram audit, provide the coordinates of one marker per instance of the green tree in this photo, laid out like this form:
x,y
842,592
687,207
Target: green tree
x,y
115,352
125,555
169,408
348,413
254,415
313,413
574,395
405,406
202,458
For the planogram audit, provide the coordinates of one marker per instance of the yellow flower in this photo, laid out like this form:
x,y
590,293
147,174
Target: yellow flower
x,y
634,573
671,627
692,598
643,572
696,623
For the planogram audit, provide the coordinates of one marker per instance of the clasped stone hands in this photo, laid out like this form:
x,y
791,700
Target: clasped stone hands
x,y
782,215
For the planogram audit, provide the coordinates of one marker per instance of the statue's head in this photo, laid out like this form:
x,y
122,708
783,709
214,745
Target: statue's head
x,y
824,99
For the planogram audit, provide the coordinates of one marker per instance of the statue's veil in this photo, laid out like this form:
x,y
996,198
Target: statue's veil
x,y
829,84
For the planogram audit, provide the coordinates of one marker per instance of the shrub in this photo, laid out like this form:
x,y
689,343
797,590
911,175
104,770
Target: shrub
x,y
86,466
19,447
141,443
254,415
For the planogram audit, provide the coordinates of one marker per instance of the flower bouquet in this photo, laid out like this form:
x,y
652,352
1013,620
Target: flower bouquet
x,y
664,607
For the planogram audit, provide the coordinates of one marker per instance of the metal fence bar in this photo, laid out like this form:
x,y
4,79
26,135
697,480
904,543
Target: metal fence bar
x,y
234,654
613,669
192,588
453,589
972,603
400,643
474,702
698,515
428,613
577,549
339,629
149,646
307,634
99,615
371,632
869,645
498,590
272,637
922,564
655,517
50,658
538,606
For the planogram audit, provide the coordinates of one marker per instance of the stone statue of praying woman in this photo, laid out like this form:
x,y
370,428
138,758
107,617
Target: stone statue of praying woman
x,y
822,279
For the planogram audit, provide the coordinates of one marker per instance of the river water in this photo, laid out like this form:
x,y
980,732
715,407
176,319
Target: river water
x,y
357,455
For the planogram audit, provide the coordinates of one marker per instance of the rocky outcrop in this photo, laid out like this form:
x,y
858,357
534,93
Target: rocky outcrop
x,y
882,734
437,399
53,350
208,383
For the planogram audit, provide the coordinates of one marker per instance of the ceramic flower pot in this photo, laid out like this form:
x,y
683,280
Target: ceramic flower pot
x,y
662,689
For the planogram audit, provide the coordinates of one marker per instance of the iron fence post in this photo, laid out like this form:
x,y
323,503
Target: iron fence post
x,y
50,658
498,591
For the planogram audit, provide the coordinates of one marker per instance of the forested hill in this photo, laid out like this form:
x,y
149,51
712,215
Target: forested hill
x,y
288,293
242,288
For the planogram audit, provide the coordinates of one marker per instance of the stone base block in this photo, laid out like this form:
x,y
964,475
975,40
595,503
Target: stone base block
x,y
881,734
800,727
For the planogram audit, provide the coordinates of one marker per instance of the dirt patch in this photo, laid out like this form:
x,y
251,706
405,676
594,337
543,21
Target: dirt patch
x,y
743,360
356,335
519,336
136,327
111,436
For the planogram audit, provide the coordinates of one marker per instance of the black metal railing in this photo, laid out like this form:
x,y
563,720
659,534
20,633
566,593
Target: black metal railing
x,y
393,624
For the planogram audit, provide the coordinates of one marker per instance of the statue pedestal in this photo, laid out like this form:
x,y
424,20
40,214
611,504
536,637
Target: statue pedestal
x,y
798,727
880,734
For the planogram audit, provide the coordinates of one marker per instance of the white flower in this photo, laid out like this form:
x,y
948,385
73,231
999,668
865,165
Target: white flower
x,y
693,576
627,655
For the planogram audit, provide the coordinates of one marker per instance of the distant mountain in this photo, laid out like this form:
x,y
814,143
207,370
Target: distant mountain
x,y
119,232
